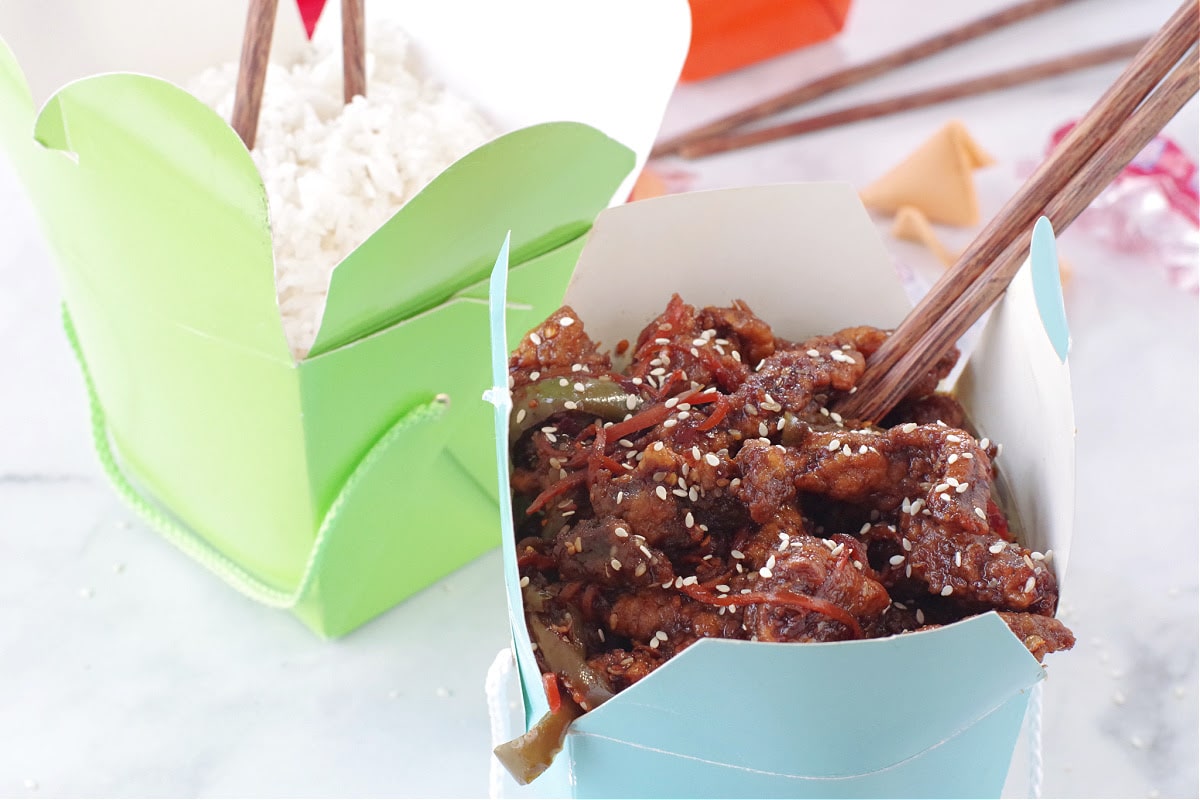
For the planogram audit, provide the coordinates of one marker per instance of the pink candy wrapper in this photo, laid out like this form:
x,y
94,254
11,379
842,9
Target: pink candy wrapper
x,y
1151,209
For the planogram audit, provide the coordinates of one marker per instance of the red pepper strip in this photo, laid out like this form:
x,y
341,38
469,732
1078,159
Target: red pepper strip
x,y
538,561
597,460
716,416
779,597
638,422
561,487
550,684
703,397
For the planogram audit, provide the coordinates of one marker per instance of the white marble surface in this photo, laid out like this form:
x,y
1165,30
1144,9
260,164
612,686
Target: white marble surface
x,y
127,670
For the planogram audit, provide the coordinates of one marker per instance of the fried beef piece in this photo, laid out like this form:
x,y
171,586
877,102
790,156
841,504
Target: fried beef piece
x,y
665,620
623,668
605,553
1041,634
676,350
554,348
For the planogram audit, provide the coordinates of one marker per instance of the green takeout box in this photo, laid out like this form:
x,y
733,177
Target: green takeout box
x,y
340,484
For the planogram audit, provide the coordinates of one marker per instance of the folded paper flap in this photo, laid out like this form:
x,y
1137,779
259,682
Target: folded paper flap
x,y
886,700
1022,400
778,248
611,64
157,167
550,179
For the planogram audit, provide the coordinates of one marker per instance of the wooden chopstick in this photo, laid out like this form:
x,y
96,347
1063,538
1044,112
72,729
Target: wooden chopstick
x,y
252,69
1062,210
354,58
256,51
1005,79
857,74
1061,188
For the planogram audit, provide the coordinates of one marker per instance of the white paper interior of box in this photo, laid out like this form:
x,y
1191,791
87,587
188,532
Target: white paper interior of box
x,y
611,64
789,249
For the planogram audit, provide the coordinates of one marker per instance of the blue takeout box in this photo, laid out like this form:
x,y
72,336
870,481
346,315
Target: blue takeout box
x,y
927,714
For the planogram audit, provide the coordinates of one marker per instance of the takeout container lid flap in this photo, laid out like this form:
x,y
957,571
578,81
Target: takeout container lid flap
x,y
807,259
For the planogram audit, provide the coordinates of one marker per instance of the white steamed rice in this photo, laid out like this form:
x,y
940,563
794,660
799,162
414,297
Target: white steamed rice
x,y
334,173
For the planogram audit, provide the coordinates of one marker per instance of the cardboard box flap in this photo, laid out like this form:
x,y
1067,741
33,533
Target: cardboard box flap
x,y
1022,400
825,710
760,244
549,179
157,167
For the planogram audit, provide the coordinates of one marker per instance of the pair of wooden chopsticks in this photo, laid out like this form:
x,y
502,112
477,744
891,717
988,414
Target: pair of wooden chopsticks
x,y
1159,81
721,135
256,49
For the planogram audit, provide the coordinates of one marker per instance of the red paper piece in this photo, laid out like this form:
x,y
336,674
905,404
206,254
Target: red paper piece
x,y
310,12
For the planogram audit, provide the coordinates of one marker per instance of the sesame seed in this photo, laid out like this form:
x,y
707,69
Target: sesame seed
x,y
765,572
690,580
985,442
763,430
679,583
908,427
920,617
524,581
570,405
674,401
693,495
953,457
533,376
958,558
620,532
658,446
658,371
616,564
980,513
953,438
896,561
563,382
579,387
684,406
636,381
520,415
998,547
947,590
737,554
908,570
661,636
836,417
670,423
941,487
945,497
566,322
837,550
645,550
962,487
695,453
825,411
1029,584
864,529
679,492
699,342
712,459
771,562
661,340
654,644
814,353
550,437
533,337
857,564
1036,556
967,456
735,355
833,445
721,587
846,451
862,449
689,520
661,491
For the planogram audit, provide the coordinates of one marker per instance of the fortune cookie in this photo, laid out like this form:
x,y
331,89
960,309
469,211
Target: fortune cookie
x,y
936,179
913,226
